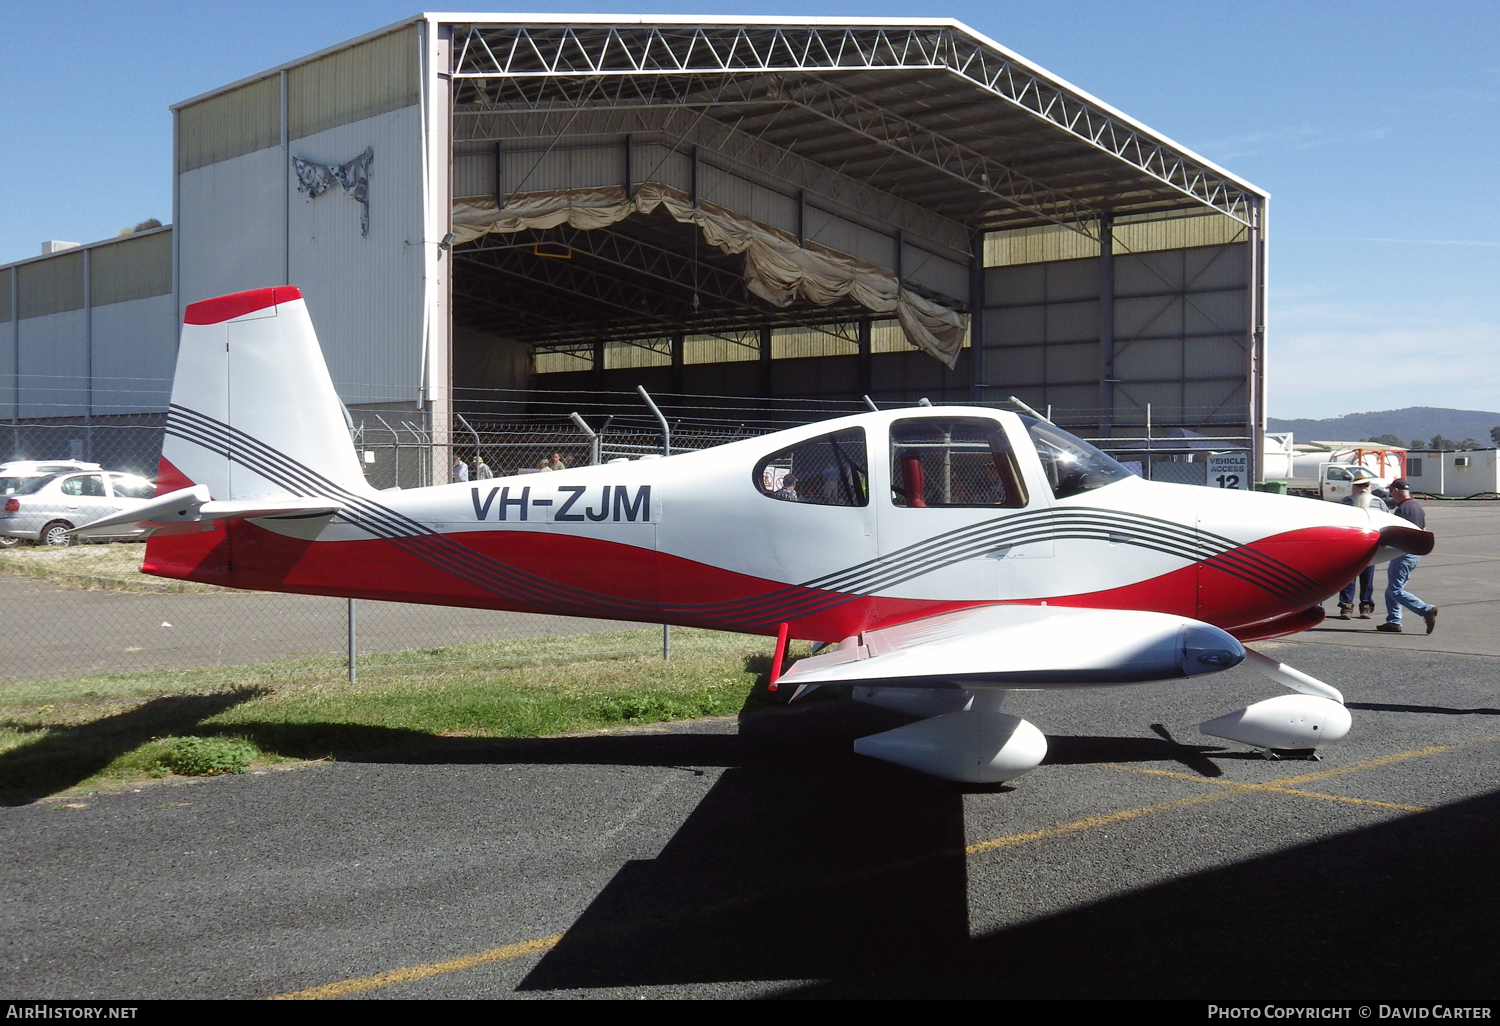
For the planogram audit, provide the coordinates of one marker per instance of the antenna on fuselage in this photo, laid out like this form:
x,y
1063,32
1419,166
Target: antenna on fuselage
x,y
924,401
871,404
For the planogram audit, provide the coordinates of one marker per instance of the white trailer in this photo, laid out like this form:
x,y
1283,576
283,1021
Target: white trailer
x,y
1456,474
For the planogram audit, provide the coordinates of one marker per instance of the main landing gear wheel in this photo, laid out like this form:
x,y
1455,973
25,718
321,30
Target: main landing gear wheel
x,y
56,533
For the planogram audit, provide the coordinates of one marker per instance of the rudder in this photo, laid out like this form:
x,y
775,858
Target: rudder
x,y
254,412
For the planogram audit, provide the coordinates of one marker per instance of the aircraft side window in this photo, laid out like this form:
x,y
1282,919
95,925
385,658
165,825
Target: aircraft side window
x,y
953,461
1071,464
830,470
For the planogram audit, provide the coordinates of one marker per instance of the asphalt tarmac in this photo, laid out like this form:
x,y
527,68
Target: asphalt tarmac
x,y
52,632
760,857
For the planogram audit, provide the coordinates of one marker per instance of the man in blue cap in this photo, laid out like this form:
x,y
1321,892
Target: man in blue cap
x,y
1399,571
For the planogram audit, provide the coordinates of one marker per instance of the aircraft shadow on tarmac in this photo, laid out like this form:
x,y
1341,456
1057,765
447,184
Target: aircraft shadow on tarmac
x,y
807,863
1403,910
803,862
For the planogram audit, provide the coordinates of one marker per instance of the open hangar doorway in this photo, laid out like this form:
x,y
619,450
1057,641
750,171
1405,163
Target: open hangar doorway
x,y
758,216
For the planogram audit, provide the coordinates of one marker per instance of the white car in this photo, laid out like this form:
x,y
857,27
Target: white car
x,y
43,509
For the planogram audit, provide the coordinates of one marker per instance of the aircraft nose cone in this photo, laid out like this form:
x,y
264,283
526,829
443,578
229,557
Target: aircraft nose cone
x,y
1206,649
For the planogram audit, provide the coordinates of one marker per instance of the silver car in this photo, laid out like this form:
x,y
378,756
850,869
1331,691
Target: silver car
x,y
45,509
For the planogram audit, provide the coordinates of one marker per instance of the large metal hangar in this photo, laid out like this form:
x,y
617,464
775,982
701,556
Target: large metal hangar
x,y
485,212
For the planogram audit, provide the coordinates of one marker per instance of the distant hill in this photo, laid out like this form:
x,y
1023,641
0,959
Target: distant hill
x,y
1411,423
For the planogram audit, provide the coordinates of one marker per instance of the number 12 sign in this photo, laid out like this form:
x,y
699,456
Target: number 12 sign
x,y
1229,470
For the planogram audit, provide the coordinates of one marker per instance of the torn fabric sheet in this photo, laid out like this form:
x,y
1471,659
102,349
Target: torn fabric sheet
x,y
777,269
354,175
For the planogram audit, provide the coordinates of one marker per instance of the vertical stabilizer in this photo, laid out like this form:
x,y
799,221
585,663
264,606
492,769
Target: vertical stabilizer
x,y
254,412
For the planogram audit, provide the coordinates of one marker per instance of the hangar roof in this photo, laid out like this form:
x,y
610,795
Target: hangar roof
x,y
927,110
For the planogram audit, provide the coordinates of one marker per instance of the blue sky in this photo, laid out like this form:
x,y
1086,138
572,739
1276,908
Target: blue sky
x,y
1373,125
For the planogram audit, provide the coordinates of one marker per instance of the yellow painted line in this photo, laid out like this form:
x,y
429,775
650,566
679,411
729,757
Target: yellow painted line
x,y
344,988
1281,786
1277,788
1090,823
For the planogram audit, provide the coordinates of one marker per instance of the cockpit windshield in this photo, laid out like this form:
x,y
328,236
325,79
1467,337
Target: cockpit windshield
x,y
1072,465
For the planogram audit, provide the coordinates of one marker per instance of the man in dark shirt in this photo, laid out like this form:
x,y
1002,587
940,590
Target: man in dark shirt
x,y
1399,571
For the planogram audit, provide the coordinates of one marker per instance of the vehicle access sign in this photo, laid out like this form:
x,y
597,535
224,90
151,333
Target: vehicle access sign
x,y
1229,470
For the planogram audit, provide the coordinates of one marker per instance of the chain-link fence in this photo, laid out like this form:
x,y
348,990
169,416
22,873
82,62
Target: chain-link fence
x,y
83,618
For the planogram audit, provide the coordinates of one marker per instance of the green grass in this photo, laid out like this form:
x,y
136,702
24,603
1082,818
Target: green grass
x,y
107,566
80,734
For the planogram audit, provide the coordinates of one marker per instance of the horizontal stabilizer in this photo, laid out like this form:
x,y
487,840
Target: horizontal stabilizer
x,y
1025,646
193,505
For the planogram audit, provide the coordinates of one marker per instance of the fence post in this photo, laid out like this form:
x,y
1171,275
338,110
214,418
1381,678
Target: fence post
x,y
1149,446
593,436
351,641
666,450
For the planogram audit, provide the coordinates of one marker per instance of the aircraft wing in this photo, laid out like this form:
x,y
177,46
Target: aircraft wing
x,y
193,505
1025,646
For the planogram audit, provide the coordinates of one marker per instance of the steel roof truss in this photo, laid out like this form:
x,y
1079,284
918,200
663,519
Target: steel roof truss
x,y
544,51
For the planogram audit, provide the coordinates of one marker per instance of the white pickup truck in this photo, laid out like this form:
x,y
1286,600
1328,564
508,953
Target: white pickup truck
x,y
1333,481
1330,470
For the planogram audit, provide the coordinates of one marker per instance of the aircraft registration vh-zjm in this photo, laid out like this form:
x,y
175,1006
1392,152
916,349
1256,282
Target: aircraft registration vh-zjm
x,y
950,554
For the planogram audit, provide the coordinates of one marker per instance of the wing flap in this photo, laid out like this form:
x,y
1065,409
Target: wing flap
x,y
1025,646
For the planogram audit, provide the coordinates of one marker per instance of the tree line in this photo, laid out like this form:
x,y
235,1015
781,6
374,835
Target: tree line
x,y
1438,442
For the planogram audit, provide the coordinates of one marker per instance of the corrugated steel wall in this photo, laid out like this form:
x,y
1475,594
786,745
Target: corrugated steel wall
x,y
746,197
1181,333
1180,328
134,268
135,354
8,397
230,124
230,226
129,327
51,286
474,169
1054,242
697,349
54,364
652,352
365,294
928,270
371,78
801,343
1041,327
844,235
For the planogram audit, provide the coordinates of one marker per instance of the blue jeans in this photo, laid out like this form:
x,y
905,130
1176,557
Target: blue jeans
x,y
1396,595
1366,582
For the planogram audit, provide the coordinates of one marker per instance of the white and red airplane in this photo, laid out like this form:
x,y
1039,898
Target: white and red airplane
x,y
954,553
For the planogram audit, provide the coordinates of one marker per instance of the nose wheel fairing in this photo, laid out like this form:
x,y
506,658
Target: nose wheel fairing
x,y
975,744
